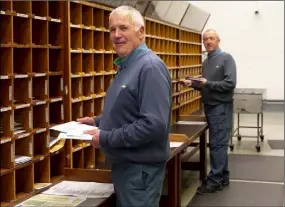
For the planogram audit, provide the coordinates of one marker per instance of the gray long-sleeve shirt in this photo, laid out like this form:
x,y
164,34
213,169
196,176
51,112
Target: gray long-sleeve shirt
x,y
220,71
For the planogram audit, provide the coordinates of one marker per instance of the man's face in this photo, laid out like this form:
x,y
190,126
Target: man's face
x,y
211,41
123,34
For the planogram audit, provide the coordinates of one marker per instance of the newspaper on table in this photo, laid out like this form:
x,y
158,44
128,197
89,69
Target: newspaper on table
x,y
52,200
85,189
73,130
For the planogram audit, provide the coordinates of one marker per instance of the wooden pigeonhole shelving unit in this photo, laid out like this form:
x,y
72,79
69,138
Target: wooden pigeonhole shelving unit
x,y
31,78
56,66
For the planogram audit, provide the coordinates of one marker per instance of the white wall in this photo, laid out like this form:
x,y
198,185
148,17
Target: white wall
x,y
255,41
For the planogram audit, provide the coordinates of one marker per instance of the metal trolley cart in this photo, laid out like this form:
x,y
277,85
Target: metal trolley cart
x,y
248,101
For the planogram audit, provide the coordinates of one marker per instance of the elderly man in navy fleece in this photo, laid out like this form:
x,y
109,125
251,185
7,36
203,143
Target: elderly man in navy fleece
x,y
134,126
217,87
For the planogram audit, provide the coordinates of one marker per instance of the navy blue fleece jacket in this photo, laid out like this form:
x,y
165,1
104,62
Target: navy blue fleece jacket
x,y
134,125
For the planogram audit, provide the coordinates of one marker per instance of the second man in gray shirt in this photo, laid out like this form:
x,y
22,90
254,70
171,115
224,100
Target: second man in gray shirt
x,y
217,87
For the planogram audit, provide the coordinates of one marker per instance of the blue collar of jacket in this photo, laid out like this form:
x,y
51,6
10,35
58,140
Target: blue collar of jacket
x,y
215,53
137,52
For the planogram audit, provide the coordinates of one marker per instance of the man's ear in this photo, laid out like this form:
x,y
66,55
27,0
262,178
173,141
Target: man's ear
x,y
141,32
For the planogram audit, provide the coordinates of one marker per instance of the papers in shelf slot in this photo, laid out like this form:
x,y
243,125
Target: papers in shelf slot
x,y
81,189
22,159
53,140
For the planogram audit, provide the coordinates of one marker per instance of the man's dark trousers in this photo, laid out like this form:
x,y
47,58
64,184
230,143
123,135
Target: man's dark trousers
x,y
219,118
138,185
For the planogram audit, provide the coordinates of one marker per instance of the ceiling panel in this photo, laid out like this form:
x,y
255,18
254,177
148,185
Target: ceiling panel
x,y
195,18
176,12
157,9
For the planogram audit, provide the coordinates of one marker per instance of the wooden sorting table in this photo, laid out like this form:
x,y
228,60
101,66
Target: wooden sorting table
x,y
185,133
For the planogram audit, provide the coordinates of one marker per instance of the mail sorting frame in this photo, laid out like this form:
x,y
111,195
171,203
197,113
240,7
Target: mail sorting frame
x,y
248,101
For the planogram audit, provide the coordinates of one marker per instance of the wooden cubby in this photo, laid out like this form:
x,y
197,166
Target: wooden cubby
x,y
7,125
6,6
24,147
88,108
40,90
87,39
39,31
76,63
40,145
7,155
78,159
98,40
55,33
88,88
56,114
55,86
22,30
22,91
98,63
22,61
6,28
87,63
56,66
40,116
40,60
57,165
22,121
7,188
6,61
55,60
6,93
89,157
42,170
77,110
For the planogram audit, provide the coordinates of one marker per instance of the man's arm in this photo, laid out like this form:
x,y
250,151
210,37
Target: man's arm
x,y
155,107
97,120
196,85
229,82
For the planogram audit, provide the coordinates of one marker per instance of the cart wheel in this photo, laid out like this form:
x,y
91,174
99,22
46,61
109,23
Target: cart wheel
x,y
262,137
257,148
232,147
239,137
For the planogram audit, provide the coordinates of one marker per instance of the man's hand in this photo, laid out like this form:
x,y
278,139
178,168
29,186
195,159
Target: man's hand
x,y
203,81
95,137
185,83
86,120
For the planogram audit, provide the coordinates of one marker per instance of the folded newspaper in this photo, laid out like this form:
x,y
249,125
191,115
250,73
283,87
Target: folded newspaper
x,y
72,130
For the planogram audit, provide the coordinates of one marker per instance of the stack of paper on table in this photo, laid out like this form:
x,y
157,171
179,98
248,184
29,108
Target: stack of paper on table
x,y
82,189
73,130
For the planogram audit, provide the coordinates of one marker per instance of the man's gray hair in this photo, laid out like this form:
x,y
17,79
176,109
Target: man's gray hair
x,y
214,31
135,15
